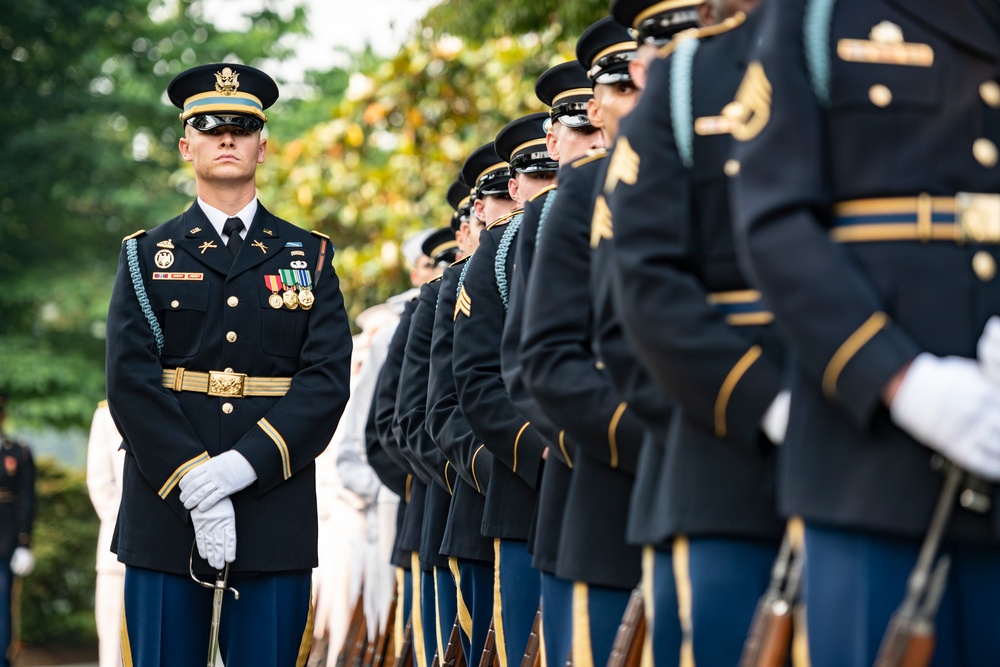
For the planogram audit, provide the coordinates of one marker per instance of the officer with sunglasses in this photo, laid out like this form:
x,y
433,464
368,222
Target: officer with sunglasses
x,y
228,368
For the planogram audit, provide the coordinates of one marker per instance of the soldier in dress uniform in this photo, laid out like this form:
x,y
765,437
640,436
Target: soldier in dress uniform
x,y
470,554
228,365
516,445
563,374
105,463
702,332
438,597
565,89
17,514
867,209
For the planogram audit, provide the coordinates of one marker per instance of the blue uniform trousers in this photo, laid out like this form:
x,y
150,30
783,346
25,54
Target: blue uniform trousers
x,y
597,613
446,597
6,599
167,619
404,607
517,592
426,612
557,619
726,577
474,580
660,596
854,581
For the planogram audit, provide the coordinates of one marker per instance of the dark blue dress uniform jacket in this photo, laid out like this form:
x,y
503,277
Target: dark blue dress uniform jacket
x,y
563,375
674,251
17,496
451,432
554,486
857,311
166,432
516,445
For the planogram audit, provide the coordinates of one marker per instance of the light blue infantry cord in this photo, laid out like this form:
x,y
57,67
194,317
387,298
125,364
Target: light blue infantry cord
x,y
816,38
681,110
132,253
550,199
461,278
500,263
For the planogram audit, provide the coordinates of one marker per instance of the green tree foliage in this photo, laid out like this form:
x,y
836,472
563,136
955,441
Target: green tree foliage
x,y
57,599
379,168
88,144
479,19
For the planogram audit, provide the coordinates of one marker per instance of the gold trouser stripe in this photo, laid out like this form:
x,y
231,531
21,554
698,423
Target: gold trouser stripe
x,y
182,470
180,379
286,465
305,646
517,440
397,629
464,617
446,480
682,579
562,447
420,657
437,616
543,659
800,638
849,348
474,477
583,651
612,431
648,600
729,385
498,607
126,644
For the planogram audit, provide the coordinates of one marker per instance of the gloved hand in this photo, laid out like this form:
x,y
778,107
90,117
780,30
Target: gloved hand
x,y
775,420
988,349
219,477
948,404
215,533
22,563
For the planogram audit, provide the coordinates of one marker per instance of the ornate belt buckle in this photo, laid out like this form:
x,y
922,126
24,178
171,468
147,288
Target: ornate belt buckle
x,y
977,216
225,384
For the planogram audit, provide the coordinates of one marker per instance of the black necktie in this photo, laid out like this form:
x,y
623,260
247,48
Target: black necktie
x,y
232,229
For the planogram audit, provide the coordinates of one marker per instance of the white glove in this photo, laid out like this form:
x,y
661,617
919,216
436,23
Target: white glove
x,y
949,405
219,477
215,533
775,420
988,349
22,563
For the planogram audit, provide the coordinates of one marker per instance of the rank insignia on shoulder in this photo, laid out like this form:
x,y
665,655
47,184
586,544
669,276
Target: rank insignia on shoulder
x,y
601,226
463,304
885,46
624,166
294,244
751,110
320,234
166,244
298,253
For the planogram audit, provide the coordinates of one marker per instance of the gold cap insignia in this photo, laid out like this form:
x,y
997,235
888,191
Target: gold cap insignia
x,y
227,82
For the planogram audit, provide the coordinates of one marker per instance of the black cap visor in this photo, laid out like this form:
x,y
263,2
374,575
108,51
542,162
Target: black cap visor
x,y
206,122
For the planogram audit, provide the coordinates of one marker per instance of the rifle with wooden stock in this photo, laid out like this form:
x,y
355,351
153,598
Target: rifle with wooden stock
x,y
533,651
383,644
770,638
909,639
627,649
454,655
354,643
490,658
405,657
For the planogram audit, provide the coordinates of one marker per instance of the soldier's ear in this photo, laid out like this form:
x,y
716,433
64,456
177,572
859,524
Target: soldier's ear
x,y
184,146
594,112
262,151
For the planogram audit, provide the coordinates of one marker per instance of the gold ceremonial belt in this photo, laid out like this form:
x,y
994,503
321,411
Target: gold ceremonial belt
x,y
226,384
967,217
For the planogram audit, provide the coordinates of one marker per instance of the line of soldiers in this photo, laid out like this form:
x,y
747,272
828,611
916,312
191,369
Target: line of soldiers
x,y
717,336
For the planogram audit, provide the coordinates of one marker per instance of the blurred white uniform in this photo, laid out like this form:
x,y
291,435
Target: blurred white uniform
x,y
104,482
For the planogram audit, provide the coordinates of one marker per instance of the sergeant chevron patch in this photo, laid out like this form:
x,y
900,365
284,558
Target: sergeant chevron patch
x,y
463,304
624,165
601,226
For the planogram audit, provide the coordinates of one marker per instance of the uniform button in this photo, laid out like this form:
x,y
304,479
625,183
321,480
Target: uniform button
x,y
731,168
984,266
228,370
233,301
175,303
990,92
880,95
231,336
985,152
227,408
